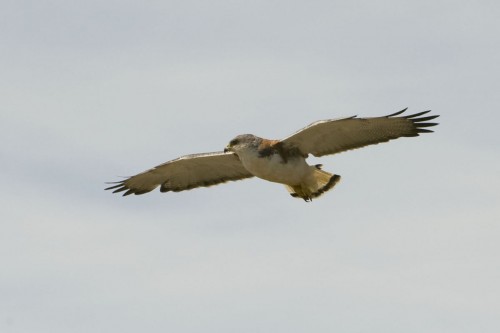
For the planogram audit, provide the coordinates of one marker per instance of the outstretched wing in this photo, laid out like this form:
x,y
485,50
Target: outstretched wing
x,y
185,173
334,136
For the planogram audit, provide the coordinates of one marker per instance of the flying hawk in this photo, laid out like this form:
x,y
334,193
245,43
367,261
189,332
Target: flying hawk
x,y
279,161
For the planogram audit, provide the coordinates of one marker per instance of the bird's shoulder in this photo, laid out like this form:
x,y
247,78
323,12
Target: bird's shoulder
x,y
268,148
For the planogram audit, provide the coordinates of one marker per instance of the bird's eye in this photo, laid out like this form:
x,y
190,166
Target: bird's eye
x,y
234,142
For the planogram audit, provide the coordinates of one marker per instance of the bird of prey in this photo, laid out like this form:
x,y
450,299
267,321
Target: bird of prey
x,y
279,161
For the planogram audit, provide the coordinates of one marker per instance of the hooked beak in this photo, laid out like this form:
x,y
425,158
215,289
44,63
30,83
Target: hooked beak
x,y
227,149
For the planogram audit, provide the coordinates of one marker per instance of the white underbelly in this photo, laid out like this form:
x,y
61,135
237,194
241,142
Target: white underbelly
x,y
273,169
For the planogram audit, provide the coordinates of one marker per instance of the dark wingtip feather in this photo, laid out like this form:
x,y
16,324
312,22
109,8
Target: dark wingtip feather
x,y
139,192
423,130
421,122
417,114
121,189
417,120
397,113
114,186
425,124
117,186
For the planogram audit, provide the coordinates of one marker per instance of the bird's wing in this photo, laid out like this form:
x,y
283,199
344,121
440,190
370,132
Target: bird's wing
x,y
185,173
334,136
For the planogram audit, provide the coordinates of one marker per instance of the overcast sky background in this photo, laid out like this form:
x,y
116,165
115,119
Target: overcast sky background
x,y
94,90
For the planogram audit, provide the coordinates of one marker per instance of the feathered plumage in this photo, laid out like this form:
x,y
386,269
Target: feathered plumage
x,y
280,161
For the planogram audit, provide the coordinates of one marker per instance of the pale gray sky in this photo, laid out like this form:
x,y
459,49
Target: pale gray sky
x,y
94,90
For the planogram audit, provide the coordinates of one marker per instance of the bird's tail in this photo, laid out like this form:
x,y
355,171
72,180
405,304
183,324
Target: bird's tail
x,y
322,181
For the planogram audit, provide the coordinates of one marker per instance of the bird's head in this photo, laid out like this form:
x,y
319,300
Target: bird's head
x,y
242,142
